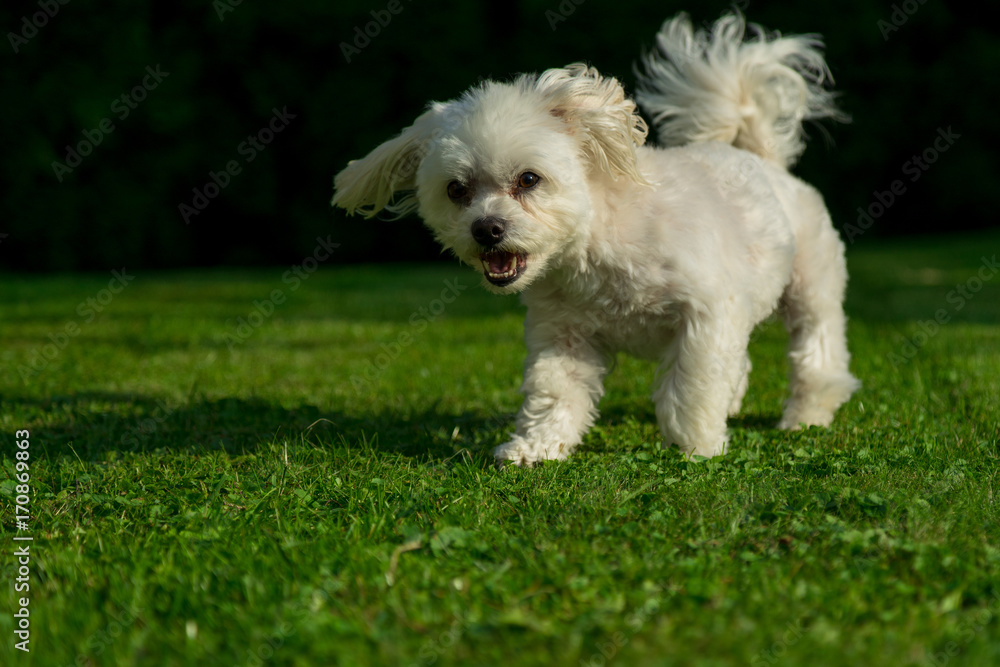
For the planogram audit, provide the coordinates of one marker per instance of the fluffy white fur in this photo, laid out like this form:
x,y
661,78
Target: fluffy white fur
x,y
671,254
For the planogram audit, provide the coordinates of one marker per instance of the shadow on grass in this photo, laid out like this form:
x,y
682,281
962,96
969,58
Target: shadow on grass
x,y
622,412
92,424
755,422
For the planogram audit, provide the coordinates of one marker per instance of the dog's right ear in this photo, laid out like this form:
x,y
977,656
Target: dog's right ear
x,y
596,109
367,186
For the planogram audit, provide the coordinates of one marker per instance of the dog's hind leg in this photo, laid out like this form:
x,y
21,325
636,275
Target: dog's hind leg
x,y
820,381
702,378
741,387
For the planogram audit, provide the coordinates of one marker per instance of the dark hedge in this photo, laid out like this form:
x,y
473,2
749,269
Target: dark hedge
x,y
166,94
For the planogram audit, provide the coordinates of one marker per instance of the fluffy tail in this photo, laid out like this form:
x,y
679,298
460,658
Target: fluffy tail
x,y
754,94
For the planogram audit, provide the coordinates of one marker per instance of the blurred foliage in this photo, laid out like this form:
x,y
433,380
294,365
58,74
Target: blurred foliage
x,y
229,66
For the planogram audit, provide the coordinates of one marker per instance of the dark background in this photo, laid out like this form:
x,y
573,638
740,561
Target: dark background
x,y
119,207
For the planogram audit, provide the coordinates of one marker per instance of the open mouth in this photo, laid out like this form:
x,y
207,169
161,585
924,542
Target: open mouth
x,y
501,267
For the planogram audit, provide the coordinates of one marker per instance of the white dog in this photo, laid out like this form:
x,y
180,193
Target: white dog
x,y
671,254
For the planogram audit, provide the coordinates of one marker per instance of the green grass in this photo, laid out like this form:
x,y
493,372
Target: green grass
x,y
200,501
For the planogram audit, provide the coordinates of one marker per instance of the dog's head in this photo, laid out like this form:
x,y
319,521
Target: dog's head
x,y
504,175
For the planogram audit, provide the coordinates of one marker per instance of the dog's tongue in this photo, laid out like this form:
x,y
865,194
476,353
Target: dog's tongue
x,y
500,262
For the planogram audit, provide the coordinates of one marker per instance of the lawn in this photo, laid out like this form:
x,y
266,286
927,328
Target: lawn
x,y
291,467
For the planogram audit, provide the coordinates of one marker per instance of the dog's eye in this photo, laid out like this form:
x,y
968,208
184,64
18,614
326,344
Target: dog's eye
x,y
528,180
457,191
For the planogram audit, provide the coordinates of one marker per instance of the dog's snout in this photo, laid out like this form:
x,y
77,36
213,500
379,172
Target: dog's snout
x,y
489,231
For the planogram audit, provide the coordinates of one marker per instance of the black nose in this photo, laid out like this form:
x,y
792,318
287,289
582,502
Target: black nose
x,y
489,231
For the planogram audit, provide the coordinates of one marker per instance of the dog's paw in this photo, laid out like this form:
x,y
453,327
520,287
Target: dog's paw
x,y
798,416
521,452
708,451
514,452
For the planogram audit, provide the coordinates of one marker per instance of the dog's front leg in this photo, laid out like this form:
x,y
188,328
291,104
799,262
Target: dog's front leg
x,y
562,386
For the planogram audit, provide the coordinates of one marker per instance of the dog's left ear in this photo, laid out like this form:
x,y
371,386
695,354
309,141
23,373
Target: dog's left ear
x,y
367,186
596,108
